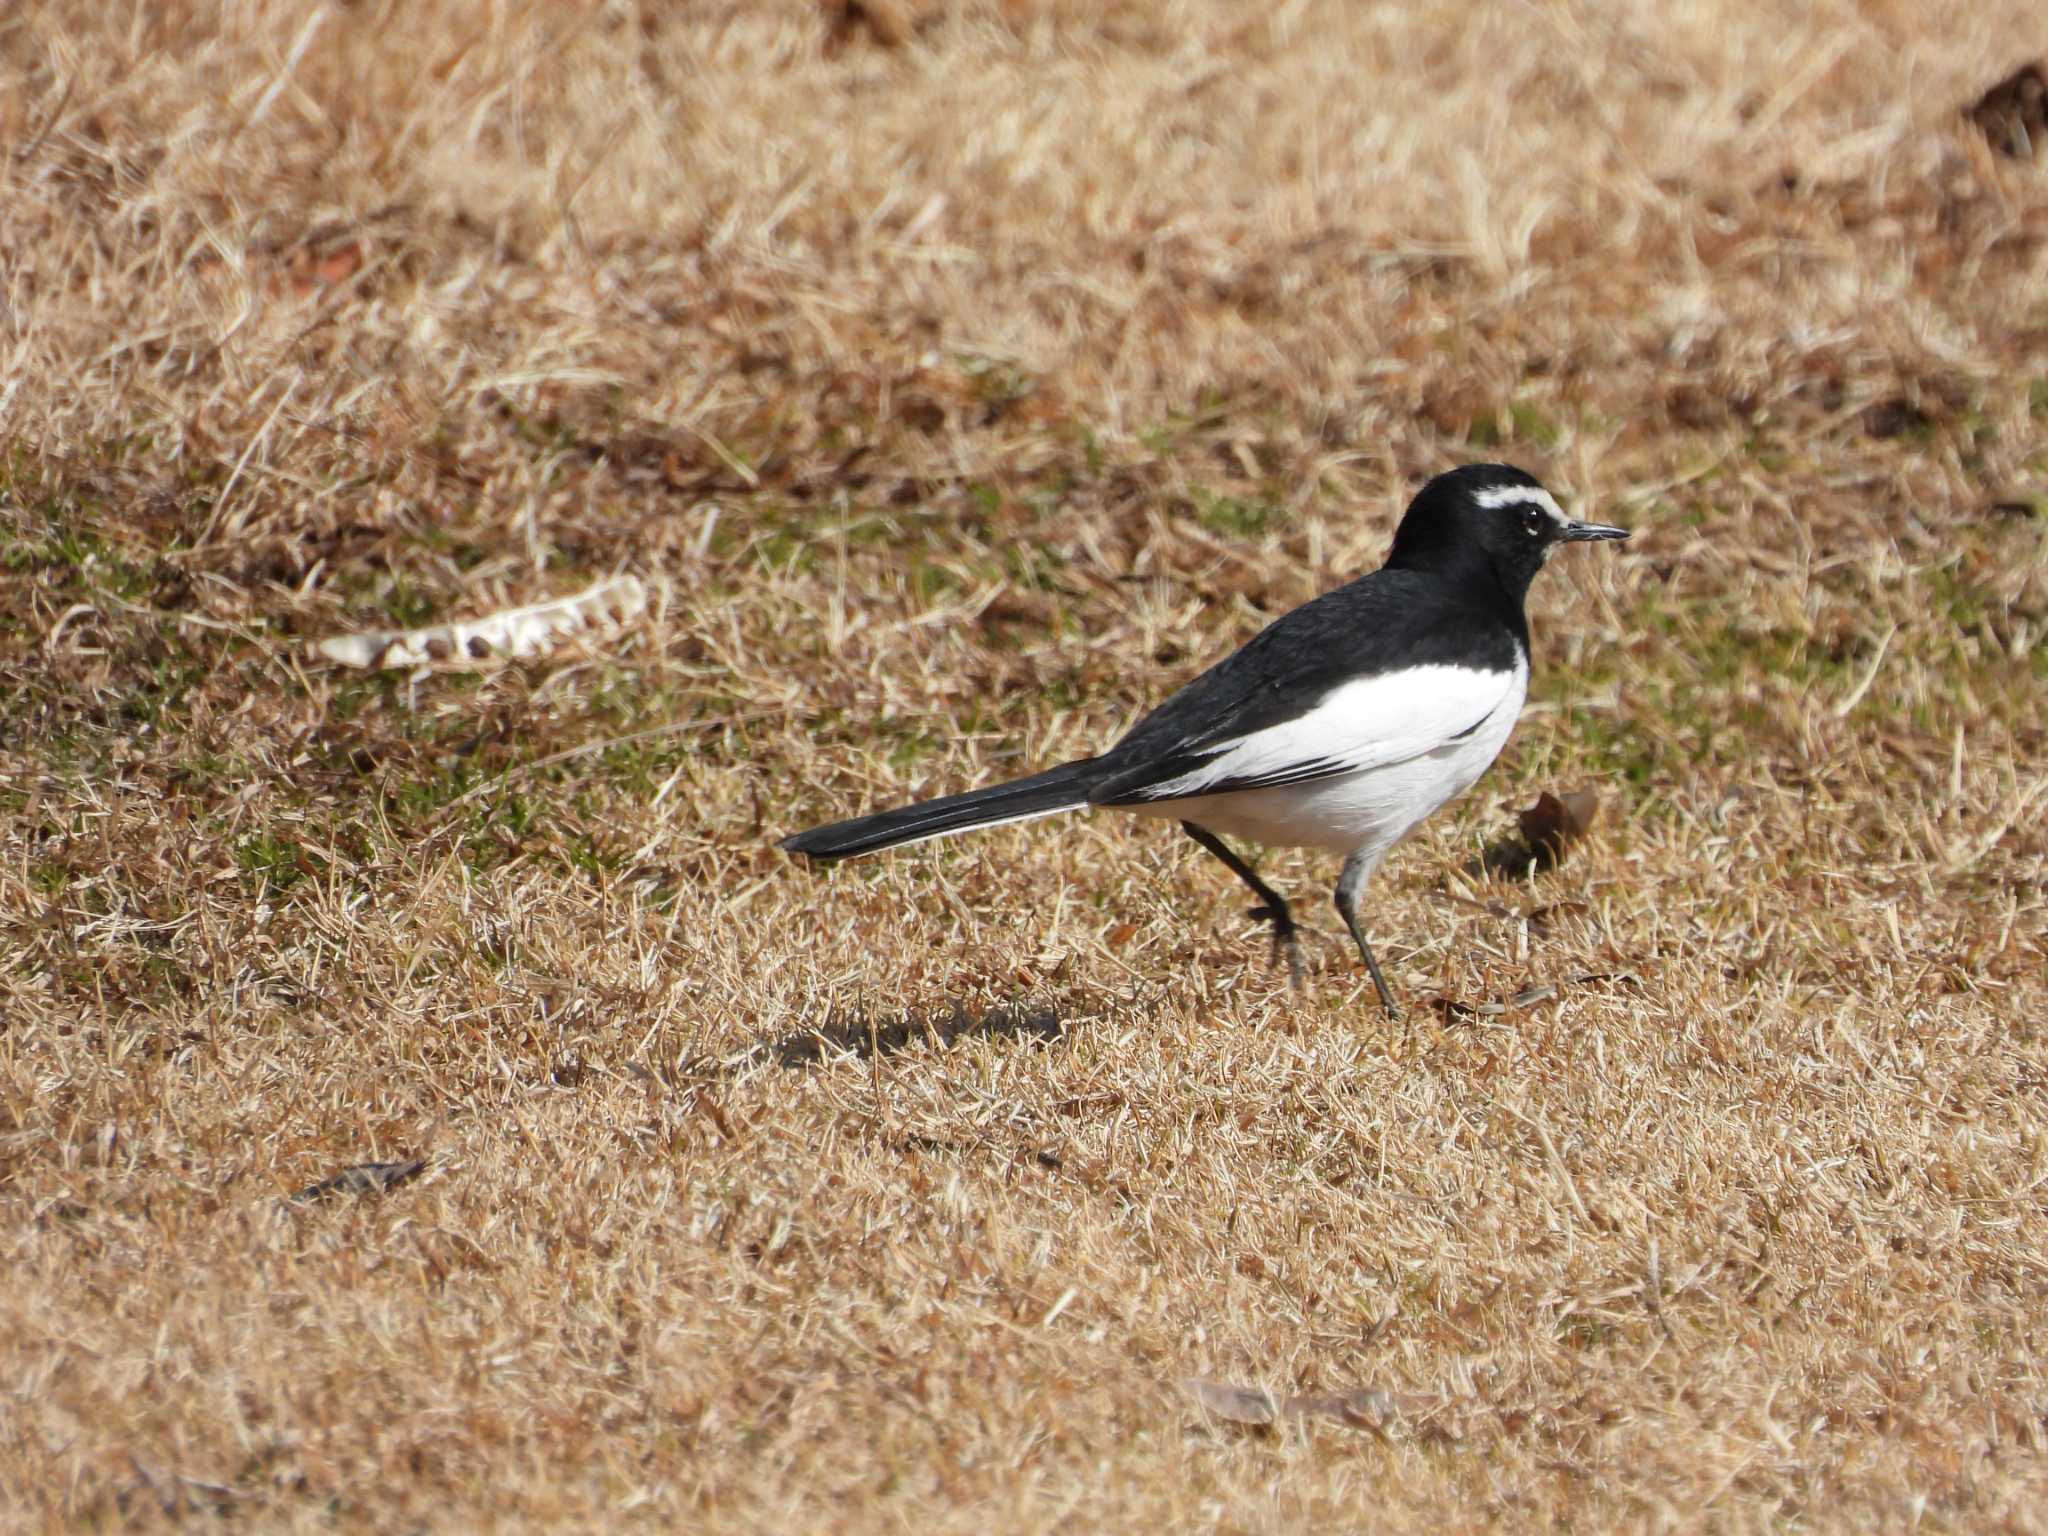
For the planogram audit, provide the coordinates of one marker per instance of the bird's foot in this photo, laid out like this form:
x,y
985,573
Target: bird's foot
x,y
1379,985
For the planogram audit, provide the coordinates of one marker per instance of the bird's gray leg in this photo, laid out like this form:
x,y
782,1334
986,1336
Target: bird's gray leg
x,y
1274,911
1349,886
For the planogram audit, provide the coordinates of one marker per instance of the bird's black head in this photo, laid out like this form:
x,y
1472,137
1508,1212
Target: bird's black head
x,y
1487,520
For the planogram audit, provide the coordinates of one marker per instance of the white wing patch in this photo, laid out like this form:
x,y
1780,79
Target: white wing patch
x,y
1357,727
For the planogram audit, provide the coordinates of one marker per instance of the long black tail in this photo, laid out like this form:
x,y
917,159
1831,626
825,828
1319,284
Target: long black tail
x,y
1043,794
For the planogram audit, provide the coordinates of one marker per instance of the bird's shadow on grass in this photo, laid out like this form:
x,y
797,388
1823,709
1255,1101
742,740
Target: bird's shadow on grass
x,y
865,1035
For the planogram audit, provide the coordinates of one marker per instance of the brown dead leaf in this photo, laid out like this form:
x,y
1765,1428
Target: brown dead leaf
x,y
1543,833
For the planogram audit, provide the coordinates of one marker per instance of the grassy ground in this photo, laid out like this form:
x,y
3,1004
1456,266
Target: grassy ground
x,y
957,374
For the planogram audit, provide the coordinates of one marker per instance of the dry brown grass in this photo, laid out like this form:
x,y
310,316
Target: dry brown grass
x,y
933,381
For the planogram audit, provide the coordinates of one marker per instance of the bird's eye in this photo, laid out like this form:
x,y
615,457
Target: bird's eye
x,y
1532,522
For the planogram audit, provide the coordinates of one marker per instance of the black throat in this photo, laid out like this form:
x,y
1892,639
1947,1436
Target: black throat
x,y
1492,582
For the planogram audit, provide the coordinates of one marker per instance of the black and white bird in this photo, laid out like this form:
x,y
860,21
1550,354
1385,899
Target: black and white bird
x,y
1341,725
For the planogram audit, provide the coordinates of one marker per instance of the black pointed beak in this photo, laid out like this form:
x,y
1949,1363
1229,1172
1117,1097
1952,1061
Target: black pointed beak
x,y
1585,533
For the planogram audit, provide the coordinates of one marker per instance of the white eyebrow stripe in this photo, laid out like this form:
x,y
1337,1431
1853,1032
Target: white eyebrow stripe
x,y
1497,496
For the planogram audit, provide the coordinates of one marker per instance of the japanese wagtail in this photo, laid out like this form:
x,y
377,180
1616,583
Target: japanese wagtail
x,y
1341,725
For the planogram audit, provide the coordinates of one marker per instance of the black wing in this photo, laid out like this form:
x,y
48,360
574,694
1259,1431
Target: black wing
x,y
1380,624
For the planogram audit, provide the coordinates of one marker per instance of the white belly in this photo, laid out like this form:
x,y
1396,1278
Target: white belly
x,y
1366,812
